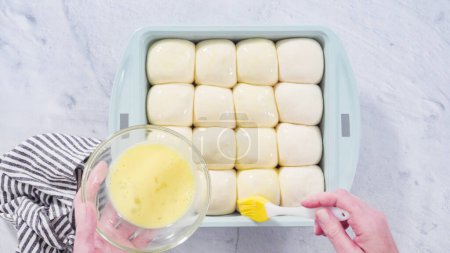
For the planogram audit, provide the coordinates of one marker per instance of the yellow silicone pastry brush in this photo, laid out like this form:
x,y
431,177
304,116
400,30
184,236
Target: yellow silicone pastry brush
x,y
260,209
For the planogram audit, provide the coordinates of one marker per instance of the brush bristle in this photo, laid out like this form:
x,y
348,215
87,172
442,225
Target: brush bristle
x,y
254,208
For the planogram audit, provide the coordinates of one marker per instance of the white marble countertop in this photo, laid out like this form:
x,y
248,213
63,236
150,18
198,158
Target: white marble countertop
x,y
58,59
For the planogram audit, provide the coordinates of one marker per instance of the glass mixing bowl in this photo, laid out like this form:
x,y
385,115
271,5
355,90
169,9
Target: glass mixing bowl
x,y
110,224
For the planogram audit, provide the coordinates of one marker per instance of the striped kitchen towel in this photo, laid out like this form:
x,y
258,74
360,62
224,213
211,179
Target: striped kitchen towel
x,y
38,181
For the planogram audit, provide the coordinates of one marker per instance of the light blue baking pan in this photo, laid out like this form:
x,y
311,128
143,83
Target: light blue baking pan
x,y
341,120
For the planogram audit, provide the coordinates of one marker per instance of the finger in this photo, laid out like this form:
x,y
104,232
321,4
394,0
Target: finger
x,y
110,221
317,229
105,246
96,178
84,212
340,198
123,231
85,229
116,228
333,229
77,203
143,239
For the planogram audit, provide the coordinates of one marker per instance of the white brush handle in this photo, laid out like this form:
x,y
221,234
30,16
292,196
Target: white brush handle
x,y
274,210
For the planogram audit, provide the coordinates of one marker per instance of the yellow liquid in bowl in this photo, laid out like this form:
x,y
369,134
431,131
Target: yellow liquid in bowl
x,y
151,185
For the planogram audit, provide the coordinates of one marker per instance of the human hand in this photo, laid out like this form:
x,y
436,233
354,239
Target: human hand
x,y
372,234
86,238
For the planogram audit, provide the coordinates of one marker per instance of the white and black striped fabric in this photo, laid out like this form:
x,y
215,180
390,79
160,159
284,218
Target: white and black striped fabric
x,y
38,181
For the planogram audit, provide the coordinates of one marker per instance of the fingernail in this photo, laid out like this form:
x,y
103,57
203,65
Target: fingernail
x,y
322,215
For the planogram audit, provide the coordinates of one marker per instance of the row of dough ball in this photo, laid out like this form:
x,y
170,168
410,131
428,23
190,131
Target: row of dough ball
x,y
220,62
250,148
245,106
287,186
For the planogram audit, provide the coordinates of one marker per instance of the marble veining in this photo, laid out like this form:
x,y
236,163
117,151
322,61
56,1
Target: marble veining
x,y
58,60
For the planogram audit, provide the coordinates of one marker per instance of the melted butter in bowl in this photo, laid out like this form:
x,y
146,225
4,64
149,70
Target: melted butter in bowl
x,y
151,185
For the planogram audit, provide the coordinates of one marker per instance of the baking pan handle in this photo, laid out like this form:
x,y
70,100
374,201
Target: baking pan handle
x,y
128,98
349,121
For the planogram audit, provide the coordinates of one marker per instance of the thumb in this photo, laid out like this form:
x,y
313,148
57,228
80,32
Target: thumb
x,y
86,220
333,229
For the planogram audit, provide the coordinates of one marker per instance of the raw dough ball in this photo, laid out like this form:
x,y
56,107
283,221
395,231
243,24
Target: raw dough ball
x,y
215,63
255,106
172,141
257,62
299,145
184,131
154,136
171,61
299,103
262,182
296,183
213,106
170,104
300,60
256,148
223,192
217,146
